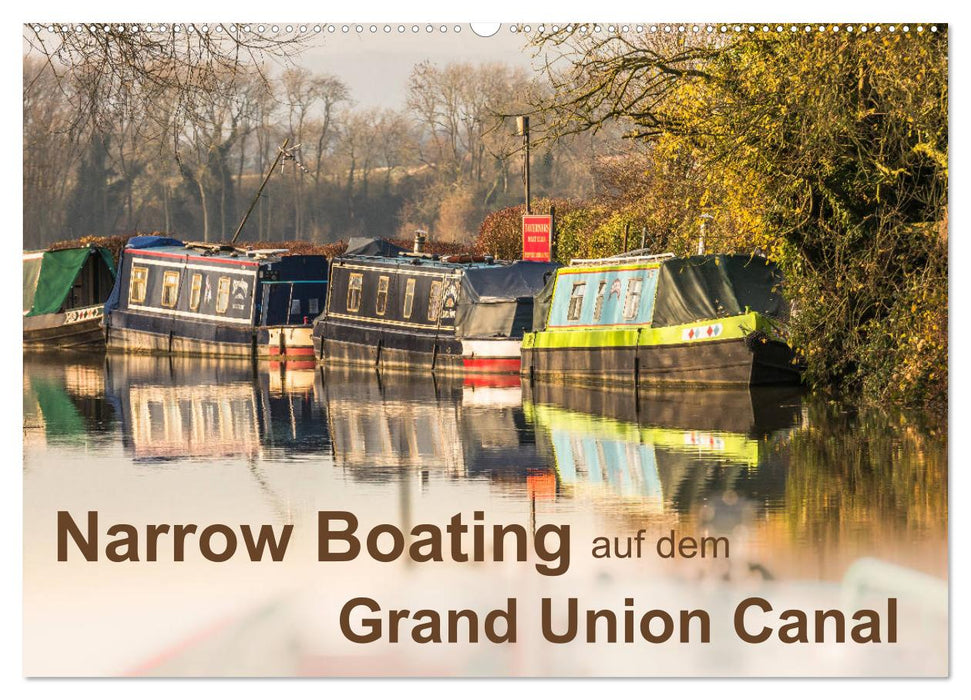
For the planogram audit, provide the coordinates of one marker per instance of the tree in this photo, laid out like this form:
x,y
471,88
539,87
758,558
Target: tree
x,y
840,175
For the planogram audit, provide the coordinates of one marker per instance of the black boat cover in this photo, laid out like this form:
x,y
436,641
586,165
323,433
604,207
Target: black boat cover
x,y
714,286
497,300
359,245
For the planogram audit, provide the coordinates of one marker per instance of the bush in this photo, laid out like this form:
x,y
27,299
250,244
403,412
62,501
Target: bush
x,y
501,232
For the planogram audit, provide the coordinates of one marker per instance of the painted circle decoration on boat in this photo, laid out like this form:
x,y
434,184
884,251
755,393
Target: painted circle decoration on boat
x,y
712,330
485,29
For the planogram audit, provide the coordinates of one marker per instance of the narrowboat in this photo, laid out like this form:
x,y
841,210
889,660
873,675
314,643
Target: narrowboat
x,y
64,296
214,300
663,320
418,311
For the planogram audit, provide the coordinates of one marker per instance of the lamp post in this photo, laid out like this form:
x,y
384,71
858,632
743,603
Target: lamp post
x,y
522,127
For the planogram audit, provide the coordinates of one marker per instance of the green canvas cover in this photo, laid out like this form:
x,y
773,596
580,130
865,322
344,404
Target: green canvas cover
x,y
58,270
31,275
715,286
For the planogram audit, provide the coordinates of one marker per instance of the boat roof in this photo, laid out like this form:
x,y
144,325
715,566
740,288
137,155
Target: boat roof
x,y
214,253
39,253
435,261
632,258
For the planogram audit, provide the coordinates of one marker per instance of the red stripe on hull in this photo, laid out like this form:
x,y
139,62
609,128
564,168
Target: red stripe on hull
x,y
290,350
492,364
292,364
181,256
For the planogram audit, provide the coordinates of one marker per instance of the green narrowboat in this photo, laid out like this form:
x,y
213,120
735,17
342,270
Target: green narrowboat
x,y
64,296
662,320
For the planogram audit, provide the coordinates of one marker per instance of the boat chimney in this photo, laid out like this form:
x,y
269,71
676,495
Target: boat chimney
x,y
420,237
703,233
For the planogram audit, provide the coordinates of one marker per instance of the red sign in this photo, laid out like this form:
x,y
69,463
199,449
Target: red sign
x,y
537,237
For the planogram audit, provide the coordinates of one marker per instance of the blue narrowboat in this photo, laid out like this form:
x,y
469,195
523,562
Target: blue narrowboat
x,y
214,300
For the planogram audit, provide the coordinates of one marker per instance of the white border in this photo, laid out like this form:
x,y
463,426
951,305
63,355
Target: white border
x,y
440,10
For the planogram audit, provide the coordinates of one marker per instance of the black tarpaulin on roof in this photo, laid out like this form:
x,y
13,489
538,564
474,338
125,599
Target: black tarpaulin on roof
x,y
359,245
497,300
542,302
714,286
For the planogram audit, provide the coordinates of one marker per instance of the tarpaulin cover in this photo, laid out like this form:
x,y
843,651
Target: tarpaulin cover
x,y
59,269
542,302
31,275
713,286
151,242
497,300
358,245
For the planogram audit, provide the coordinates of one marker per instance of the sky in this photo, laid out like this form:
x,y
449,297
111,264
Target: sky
x,y
376,66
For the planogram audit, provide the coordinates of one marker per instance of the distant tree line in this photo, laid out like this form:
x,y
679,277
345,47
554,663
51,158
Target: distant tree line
x,y
186,156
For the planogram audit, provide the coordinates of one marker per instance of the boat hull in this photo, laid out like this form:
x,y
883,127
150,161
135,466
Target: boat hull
x,y
729,362
130,333
391,351
77,329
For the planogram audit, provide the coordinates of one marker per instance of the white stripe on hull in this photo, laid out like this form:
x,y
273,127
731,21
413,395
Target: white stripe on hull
x,y
488,349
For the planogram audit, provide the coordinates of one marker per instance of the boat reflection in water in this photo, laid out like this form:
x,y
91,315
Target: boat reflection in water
x,y
64,402
664,449
811,493
177,408
383,425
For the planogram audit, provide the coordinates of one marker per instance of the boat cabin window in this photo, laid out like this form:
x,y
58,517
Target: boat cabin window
x,y
313,306
354,291
435,300
170,288
381,302
632,301
409,298
222,295
576,301
138,285
195,291
598,307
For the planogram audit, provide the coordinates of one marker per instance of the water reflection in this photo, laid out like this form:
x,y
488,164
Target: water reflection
x,y
819,464
382,425
674,449
806,489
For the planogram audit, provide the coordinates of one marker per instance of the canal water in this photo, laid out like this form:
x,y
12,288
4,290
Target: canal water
x,y
819,506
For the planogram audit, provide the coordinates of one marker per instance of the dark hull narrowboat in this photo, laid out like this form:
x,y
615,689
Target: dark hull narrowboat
x,y
416,312
661,320
214,301
64,295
